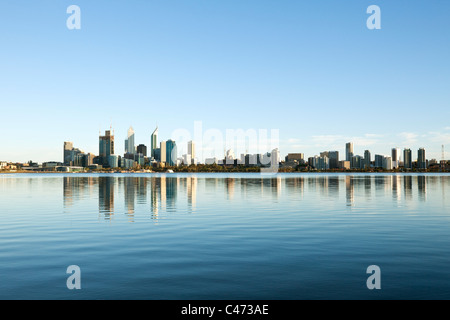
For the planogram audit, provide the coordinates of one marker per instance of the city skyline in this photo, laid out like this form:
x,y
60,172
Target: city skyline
x,y
312,70
107,144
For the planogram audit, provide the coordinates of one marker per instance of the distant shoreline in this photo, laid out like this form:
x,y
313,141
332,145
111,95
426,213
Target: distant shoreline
x,y
216,172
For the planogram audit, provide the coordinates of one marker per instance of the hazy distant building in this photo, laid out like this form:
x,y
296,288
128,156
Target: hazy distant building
x,y
421,159
68,147
154,143
275,158
299,157
367,159
191,152
349,151
407,159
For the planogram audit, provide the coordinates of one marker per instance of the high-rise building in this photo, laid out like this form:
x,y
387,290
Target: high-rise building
x,y
387,163
171,152
367,159
379,161
154,143
421,159
349,151
333,157
142,149
106,144
356,162
129,142
395,159
163,152
68,147
407,159
191,152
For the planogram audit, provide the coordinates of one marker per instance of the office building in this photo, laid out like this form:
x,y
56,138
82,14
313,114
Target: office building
x,y
421,160
191,152
395,158
407,159
367,159
129,142
106,144
387,163
356,162
154,143
379,161
68,147
142,149
333,157
298,157
163,152
171,152
349,151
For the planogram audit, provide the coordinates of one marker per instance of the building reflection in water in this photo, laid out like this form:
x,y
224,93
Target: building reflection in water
x,y
350,190
106,196
422,187
165,190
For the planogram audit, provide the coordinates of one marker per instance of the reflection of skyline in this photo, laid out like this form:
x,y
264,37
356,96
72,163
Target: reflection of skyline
x,y
165,192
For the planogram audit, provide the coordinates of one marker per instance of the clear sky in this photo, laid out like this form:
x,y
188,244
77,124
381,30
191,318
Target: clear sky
x,y
311,69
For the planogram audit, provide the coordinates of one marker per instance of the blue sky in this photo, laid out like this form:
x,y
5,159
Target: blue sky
x,y
311,69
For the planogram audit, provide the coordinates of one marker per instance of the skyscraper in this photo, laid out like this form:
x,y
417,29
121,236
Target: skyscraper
x,y
106,146
162,152
394,156
349,151
68,147
421,160
407,159
129,142
367,159
171,152
333,159
191,152
154,142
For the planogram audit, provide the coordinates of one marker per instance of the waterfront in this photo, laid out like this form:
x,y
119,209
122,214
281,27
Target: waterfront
x,y
224,236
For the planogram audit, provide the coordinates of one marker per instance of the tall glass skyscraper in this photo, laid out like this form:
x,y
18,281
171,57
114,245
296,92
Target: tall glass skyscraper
x,y
421,160
106,146
349,151
407,159
154,143
68,147
171,152
129,142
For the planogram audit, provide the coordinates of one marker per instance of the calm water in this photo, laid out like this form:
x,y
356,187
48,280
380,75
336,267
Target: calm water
x,y
224,236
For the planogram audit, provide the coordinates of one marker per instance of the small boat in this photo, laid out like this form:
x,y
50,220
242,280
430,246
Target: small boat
x,y
170,171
